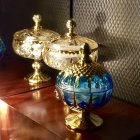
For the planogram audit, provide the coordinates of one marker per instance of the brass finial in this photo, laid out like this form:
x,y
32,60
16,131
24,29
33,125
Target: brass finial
x,y
85,66
71,24
37,19
85,52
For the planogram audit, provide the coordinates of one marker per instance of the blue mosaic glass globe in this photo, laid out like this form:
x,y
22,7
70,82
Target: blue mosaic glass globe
x,y
2,48
85,83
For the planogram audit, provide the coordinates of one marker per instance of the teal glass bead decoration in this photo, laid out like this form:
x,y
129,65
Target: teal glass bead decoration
x,y
84,85
2,48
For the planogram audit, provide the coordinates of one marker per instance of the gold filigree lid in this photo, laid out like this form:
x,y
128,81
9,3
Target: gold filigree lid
x,y
37,33
71,42
29,43
85,66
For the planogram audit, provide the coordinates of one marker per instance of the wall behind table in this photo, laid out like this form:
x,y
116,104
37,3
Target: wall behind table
x,y
115,24
17,14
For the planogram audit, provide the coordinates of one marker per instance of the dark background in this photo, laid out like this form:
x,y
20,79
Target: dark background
x,y
114,24
17,15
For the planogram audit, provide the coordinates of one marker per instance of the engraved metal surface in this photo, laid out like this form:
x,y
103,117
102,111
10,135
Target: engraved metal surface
x,y
116,25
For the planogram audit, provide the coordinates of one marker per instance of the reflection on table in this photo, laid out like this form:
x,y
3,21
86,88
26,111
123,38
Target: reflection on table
x,y
12,81
121,120
15,126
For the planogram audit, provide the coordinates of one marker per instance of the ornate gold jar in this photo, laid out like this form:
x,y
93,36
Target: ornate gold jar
x,y
65,50
28,43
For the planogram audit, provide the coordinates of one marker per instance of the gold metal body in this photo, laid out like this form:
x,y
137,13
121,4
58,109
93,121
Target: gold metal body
x,y
29,43
85,66
37,76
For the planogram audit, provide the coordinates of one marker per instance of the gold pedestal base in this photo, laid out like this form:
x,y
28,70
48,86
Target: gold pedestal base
x,y
37,76
78,121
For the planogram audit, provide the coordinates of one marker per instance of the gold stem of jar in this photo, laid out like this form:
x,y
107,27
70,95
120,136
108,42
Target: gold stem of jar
x,y
83,120
37,76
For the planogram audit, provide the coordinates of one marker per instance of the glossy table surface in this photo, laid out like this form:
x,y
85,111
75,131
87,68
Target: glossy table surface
x,y
12,73
38,114
121,120
15,126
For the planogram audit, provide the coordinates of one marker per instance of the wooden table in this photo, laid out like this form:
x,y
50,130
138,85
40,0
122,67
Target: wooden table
x,y
16,126
39,115
12,73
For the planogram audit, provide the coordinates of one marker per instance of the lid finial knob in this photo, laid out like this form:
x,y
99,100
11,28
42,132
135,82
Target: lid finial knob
x,y
37,19
71,24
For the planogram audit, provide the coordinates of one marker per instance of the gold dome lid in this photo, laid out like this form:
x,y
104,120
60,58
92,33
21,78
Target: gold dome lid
x,y
71,42
85,66
65,50
37,33
29,43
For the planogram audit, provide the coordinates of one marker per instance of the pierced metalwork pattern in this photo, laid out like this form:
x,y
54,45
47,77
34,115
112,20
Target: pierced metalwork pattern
x,y
116,25
55,14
